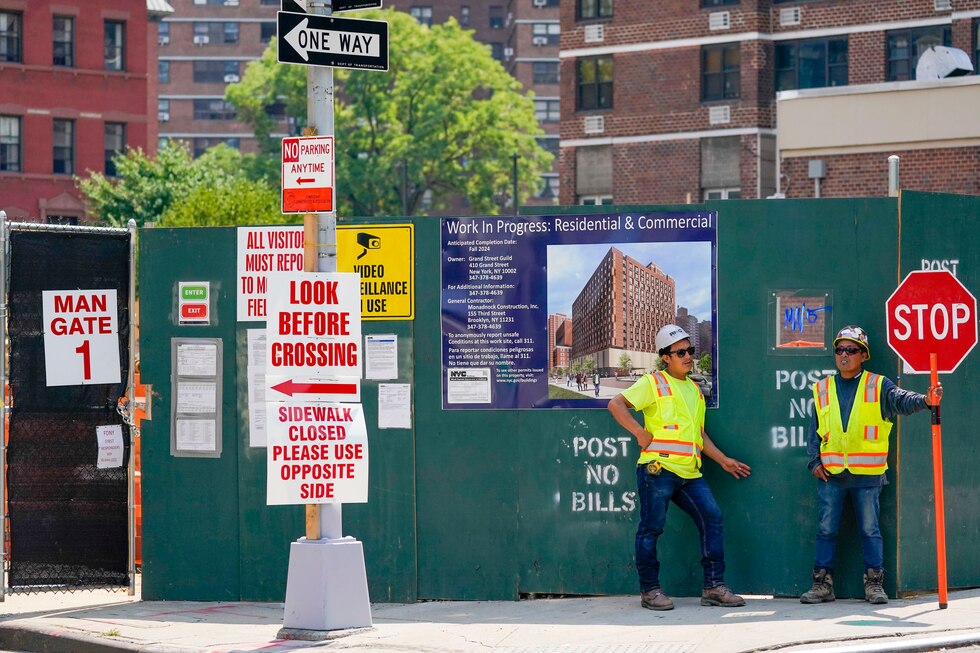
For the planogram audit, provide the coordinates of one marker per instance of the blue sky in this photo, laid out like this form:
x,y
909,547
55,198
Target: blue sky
x,y
689,263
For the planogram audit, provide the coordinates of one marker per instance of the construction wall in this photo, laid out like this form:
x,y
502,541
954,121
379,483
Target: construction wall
x,y
493,504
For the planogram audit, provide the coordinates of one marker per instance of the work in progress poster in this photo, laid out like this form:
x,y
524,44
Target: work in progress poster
x,y
561,311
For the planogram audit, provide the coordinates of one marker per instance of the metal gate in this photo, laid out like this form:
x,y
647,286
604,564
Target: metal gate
x,y
67,491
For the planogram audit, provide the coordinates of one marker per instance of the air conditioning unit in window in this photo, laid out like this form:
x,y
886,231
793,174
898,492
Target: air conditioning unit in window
x,y
539,40
231,3
595,33
202,40
540,3
720,115
508,52
719,20
943,5
164,40
163,116
594,124
790,16
231,79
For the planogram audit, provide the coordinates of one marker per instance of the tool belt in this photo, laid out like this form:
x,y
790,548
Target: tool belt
x,y
654,468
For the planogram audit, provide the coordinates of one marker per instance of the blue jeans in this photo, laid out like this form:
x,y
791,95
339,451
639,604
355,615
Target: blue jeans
x,y
830,503
694,497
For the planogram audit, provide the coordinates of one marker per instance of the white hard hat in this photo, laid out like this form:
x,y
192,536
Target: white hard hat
x,y
668,335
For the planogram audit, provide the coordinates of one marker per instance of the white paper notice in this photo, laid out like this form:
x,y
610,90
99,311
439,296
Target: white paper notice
x,y
196,397
257,344
195,435
381,356
111,446
197,360
394,406
468,385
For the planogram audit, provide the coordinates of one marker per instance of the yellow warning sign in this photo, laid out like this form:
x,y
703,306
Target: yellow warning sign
x,y
384,256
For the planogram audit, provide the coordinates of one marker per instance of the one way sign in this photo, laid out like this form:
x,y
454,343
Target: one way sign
x,y
313,40
338,5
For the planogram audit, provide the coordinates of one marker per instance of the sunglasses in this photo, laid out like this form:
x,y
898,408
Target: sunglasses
x,y
851,351
680,352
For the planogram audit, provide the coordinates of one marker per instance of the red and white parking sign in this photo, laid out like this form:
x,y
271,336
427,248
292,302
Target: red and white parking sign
x,y
307,174
317,454
81,337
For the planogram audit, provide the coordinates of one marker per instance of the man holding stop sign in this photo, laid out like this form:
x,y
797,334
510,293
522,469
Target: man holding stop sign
x,y
847,448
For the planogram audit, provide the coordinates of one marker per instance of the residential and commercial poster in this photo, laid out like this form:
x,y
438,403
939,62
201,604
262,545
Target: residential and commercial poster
x,y
561,311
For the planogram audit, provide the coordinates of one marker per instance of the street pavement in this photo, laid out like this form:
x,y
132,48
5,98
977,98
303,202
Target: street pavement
x,y
102,622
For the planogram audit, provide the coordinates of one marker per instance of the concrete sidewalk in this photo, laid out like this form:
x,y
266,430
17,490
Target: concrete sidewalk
x,y
98,621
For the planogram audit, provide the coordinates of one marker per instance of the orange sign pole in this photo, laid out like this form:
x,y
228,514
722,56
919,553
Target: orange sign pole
x,y
937,481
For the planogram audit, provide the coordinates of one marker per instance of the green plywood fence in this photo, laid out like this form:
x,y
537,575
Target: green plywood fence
x,y
494,504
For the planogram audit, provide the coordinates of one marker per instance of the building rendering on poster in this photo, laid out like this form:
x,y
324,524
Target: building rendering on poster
x,y
561,311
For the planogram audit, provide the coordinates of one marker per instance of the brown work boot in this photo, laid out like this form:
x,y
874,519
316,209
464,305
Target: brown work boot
x,y
721,595
655,599
822,590
873,590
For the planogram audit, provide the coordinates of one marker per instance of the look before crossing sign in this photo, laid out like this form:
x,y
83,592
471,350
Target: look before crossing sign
x,y
307,174
314,337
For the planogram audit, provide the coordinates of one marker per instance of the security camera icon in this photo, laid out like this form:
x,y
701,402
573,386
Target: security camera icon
x,y
367,241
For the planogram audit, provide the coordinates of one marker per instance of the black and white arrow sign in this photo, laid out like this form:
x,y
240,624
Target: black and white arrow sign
x,y
314,40
302,6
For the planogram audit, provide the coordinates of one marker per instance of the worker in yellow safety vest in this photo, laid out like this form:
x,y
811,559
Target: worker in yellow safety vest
x,y
672,440
847,446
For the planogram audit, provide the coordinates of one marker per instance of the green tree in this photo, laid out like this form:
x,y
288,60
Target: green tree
x,y
704,363
231,201
444,120
625,363
145,188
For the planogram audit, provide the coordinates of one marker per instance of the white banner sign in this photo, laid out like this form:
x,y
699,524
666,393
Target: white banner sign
x,y
81,337
317,453
261,252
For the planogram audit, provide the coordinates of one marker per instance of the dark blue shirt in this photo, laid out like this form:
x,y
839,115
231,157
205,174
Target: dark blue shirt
x,y
894,402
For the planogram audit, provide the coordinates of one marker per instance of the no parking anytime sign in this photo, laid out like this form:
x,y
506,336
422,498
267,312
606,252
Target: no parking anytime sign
x,y
81,337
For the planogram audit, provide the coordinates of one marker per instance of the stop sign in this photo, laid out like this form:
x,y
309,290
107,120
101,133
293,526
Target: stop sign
x,y
931,312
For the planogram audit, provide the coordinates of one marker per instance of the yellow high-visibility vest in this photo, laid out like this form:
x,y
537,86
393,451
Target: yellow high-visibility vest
x,y
861,448
677,441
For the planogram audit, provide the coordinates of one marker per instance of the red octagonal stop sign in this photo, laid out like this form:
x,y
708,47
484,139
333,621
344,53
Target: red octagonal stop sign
x,y
931,312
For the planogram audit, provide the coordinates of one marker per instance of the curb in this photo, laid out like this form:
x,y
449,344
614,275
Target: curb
x,y
39,639
896,643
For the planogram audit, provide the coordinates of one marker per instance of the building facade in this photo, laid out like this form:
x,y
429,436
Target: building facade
x,y
203,47
77,86
679,104
619,311
559,340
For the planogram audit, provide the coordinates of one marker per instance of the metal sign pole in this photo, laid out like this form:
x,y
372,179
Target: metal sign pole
x,y
4,236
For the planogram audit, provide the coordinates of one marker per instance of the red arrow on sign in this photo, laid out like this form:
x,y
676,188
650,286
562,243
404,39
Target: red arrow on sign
x,y
289,388
304,180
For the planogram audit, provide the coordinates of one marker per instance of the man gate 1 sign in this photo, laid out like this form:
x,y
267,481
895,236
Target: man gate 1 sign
x,y
931,312
81,337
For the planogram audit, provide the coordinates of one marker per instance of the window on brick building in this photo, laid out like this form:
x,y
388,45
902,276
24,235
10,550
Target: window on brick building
x,y
63,41
163,72
811,64
115,45
976,46
10,144
115,143
423,14
63,155
548,190
267,31
592,9
720,69
464,16
547,110
594,81
545,33
718,3
548,144
722,193
200,145
497,51
594,200
545,72
214,72
67,220
497,17
213,109
11,37
905,46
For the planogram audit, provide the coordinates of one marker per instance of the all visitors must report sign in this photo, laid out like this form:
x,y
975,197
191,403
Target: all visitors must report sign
x,y
81,337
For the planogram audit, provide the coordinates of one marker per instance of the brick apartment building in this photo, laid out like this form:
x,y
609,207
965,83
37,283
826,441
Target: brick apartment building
x,y
203,47
76,89
678,103
622,306
559,340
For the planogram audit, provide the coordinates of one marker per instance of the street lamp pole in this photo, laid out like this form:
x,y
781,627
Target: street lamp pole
x,y
514,157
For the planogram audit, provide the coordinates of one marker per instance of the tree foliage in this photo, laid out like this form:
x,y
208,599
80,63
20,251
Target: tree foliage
x,y
445,119
217,188
625,363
